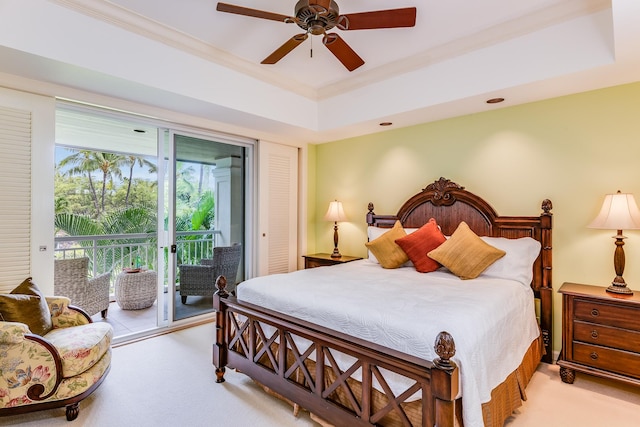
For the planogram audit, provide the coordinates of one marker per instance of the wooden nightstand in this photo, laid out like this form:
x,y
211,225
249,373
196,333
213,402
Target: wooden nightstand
x,y
320,260
600,334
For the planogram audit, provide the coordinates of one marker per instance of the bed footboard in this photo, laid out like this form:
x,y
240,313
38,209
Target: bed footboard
x,y
310,365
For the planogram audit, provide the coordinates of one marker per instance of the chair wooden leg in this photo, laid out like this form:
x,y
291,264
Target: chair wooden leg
x,y
72,411
183,298
104,313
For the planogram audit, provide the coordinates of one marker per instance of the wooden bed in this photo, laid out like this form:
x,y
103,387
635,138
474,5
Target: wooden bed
x,y
329,393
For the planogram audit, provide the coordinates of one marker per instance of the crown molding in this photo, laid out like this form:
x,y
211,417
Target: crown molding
x,y
128,20
534,21
133,22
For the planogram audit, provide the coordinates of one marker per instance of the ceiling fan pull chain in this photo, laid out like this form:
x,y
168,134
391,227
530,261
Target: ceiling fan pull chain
x,y
311,50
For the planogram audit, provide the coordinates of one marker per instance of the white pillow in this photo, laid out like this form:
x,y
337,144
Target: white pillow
x,y
375,232
517,264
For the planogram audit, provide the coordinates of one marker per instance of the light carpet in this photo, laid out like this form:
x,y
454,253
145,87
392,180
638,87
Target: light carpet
x,y
169,381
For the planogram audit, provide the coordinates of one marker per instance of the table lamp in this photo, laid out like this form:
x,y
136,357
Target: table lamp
x,y
619,211
335,213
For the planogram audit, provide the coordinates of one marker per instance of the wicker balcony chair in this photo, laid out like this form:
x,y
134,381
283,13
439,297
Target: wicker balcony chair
x,y
71,279
199,280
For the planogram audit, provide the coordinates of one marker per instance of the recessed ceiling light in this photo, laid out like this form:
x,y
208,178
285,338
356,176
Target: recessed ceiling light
x,y
386,124
494,100
140,130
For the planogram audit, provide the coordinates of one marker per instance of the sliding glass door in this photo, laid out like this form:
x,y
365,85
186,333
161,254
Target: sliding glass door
x,y
150,203
204,205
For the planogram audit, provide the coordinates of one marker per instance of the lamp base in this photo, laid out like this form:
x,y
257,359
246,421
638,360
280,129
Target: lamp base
x,y
336,254
620,289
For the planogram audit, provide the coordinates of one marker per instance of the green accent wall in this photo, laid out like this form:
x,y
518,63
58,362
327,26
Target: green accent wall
x,y
572,150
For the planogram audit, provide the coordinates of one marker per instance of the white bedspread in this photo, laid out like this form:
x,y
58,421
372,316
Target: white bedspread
x,y
492,321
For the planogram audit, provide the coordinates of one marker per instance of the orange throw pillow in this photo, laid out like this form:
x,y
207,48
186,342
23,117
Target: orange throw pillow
x,y
417,244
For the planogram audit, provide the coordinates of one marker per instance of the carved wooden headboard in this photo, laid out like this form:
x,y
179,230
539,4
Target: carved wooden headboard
x,y
449,203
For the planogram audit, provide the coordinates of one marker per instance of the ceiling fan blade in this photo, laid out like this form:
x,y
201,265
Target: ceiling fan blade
x,y
392,18
239,10
287,47
342,51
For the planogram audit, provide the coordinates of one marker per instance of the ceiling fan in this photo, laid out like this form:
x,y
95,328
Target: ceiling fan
x,y
316,17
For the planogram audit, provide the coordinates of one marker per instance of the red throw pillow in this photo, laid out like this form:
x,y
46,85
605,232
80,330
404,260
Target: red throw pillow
x,y
417,244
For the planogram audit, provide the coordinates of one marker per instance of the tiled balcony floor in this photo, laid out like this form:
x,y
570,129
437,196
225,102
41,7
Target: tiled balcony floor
x,y
125,322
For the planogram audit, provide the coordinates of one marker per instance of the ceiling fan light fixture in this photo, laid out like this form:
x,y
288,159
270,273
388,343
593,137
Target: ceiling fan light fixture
x,y
316,27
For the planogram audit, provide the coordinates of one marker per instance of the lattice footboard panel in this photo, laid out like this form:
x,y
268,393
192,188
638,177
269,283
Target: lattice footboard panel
x,y
343,380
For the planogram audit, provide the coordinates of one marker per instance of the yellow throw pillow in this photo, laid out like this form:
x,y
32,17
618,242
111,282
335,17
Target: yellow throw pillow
x,y
385,249
465,254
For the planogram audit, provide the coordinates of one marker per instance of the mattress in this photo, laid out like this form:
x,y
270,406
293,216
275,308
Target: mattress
x,y
491,320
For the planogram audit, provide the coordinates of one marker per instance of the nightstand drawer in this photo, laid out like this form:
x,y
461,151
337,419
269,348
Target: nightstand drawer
x,y
607,314
618,361
600,334
594,333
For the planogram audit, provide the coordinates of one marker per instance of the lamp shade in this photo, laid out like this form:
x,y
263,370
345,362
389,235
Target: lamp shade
x,y
335,212
619,212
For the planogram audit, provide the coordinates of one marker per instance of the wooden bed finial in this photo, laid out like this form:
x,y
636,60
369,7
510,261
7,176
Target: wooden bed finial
x,y
547,206
221,286
445,348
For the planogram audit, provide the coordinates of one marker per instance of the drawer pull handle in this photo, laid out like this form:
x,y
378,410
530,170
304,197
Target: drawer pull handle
x,y
594,355
595,312
594,334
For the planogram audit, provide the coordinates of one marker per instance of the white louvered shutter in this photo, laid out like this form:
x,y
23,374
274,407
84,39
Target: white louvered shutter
x,y
277,209
15,196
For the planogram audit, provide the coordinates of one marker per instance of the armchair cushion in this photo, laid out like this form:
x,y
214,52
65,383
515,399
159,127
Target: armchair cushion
x,y
80,347
27,305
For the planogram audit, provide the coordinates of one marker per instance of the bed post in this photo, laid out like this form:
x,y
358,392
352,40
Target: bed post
x,y
220,345
546,288
444,382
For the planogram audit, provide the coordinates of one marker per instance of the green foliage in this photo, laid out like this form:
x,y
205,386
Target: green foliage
x,y
96,193
92,183
113,253
201,216
77,225
130,220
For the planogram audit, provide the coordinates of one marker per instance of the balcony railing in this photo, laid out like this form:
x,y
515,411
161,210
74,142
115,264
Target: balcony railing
x,y
115,252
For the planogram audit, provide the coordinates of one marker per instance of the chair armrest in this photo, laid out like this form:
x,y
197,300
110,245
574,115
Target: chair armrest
x,y
13,332
195,274
64,315
101,283
33,368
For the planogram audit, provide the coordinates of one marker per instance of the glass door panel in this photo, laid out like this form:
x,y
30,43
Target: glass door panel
x,y
208,212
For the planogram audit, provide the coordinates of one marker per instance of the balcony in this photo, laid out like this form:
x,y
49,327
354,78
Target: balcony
x,y
116,252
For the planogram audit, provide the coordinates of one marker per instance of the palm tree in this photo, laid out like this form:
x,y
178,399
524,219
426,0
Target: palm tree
x,y
109,164
131,161
83,162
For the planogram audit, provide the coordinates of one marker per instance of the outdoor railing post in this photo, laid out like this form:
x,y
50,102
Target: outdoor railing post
x,y
93,256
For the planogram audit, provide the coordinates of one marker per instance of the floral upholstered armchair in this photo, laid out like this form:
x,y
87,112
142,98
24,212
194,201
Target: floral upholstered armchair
x,y
56,367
